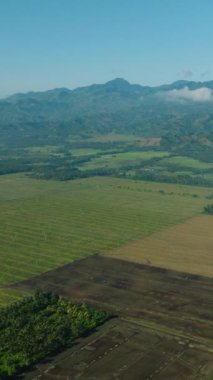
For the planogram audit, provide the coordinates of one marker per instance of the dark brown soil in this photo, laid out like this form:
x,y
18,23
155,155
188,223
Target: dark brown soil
x,y
164,327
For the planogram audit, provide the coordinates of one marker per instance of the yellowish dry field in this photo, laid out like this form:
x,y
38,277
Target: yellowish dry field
x,y
186,247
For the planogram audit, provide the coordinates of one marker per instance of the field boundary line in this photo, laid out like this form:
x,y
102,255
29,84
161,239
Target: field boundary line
x,y
204,344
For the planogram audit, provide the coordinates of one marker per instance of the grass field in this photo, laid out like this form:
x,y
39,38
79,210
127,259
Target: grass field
x,y
186,247
114,160
45,224
126,138
84,151
46,149
186,162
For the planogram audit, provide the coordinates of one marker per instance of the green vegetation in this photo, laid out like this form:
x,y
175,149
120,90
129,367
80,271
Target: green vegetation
x,y
128,153
10,295
209,377
117,107
117,159
142,159
45,224
129,133
120,160
186,162
38,326
163,319
84,151
209,209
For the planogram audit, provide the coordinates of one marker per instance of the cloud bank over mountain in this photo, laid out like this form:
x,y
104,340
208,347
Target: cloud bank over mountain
x,y
202,94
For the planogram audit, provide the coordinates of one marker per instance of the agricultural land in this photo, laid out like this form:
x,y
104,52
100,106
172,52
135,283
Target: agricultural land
x,y
163,327
46,224
137,249
106,199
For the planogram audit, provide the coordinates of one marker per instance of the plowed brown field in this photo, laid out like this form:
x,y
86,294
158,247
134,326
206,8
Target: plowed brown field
x,y
163,329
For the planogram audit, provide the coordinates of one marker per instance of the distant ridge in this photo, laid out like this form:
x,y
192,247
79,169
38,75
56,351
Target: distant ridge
x,y
53,116
117,84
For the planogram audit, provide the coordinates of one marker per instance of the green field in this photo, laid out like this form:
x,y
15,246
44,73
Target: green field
x,y
84,151
115,137
117,159
186,162
45,224
46,149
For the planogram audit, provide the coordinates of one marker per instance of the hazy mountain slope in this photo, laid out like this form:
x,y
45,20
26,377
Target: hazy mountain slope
x,y
116,106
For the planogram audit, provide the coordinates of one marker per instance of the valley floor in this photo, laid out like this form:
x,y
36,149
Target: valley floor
x,y
141,250
47,224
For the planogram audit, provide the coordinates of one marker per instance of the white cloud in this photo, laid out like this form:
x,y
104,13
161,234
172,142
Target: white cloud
x,y
202,94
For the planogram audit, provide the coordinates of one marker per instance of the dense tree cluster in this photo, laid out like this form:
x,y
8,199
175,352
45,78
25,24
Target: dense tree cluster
x,y
197,144
184,179
41,325
209,209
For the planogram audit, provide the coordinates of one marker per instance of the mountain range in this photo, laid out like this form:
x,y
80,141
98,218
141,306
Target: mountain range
x,y
116,106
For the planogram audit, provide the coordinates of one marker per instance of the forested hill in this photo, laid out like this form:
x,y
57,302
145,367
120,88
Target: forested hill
x,y
116,106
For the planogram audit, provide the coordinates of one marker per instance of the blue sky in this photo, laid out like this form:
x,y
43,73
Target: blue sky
x,y
70,43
